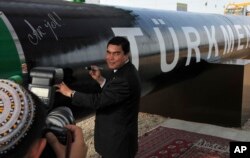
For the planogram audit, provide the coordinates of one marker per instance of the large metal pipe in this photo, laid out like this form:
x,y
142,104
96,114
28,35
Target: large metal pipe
x,y
72,36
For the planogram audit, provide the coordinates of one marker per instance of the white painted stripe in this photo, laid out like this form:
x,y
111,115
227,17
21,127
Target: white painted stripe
x,y
155,22
161,21
14,36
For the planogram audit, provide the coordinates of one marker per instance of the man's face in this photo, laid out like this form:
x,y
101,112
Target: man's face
x,y
115,56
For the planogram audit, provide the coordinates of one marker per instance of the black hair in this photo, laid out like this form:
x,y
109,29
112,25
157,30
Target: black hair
x,y
122,42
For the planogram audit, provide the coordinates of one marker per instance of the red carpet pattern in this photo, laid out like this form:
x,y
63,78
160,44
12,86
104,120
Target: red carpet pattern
x,y
164,142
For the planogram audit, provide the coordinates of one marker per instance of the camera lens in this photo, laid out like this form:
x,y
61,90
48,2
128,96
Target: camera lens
x,y
60,117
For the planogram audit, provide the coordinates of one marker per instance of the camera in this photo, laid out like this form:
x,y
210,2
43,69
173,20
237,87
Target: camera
x,y
55,122
42,85
42,81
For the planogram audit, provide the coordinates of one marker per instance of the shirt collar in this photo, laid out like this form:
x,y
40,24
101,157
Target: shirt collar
x,y
123,64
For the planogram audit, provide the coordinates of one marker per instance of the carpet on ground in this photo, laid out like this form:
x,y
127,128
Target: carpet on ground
x,y
163,142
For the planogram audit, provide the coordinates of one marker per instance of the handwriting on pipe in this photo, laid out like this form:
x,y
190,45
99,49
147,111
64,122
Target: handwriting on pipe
x,y
40,31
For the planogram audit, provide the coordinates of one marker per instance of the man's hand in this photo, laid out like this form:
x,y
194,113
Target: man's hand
x,y
95,73
64,89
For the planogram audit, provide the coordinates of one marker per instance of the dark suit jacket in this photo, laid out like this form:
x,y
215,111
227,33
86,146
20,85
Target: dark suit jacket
x,y
117,106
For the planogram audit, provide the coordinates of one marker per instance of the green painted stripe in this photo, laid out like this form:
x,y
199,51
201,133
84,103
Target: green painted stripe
x,y
9,59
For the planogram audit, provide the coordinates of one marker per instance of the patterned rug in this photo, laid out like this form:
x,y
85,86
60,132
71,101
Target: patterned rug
x,y
146,122
163,142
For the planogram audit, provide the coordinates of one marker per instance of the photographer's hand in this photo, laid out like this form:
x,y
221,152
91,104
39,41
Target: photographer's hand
x,y
58,148
78,148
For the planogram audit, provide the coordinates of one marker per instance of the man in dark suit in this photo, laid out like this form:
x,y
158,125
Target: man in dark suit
x,y
117,105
